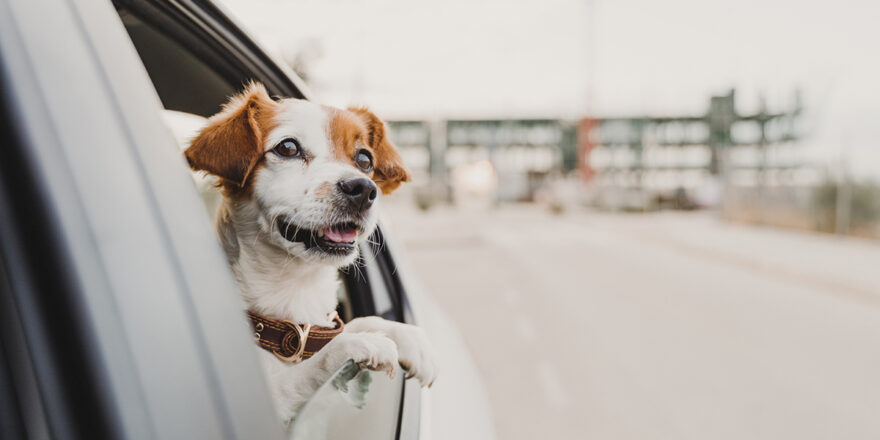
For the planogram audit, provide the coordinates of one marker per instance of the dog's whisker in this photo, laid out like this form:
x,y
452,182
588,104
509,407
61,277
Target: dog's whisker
x,y
287,230
374,247
358,272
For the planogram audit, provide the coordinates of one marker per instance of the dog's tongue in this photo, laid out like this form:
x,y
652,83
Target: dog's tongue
x,y
340,235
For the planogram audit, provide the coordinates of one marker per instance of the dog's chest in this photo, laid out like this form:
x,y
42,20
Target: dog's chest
x,y
286,289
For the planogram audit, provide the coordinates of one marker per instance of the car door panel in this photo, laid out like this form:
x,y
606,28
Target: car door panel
x,y
136,286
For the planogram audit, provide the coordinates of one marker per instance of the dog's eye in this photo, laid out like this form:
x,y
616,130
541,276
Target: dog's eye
x,y
364,160
288,148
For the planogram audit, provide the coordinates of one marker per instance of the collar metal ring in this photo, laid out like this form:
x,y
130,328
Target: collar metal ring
x,y
301,344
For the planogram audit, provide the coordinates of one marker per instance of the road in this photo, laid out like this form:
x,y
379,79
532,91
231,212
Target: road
x,y
656,326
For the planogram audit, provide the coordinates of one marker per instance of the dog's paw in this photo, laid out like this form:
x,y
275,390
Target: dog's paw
x,y
371,351
415,353
413,347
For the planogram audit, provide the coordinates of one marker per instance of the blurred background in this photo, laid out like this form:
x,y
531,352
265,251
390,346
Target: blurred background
x,y
649,219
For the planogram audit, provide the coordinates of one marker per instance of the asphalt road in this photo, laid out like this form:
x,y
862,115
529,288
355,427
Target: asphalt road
x,y
659,326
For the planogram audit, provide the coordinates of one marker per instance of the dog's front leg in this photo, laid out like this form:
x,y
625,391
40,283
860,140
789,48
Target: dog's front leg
x,y
413,347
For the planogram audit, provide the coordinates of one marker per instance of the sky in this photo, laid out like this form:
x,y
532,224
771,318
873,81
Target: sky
x,y
570,58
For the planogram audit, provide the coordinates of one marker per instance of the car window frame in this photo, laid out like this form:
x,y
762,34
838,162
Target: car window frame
x,y
203,22
199,37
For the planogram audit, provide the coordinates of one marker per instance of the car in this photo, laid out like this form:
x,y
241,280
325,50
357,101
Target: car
x,y
119,316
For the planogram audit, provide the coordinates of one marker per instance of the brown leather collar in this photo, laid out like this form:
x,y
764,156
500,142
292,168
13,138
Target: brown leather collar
x,y
292,342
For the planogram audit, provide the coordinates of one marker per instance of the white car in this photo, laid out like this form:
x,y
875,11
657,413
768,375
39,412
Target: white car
x,y
118,313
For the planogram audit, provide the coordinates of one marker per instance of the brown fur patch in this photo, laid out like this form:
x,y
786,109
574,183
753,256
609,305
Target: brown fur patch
x,y
230,146
323,191
345,129
388,169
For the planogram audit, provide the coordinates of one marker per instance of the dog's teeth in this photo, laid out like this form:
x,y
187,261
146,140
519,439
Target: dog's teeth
x,y
321,233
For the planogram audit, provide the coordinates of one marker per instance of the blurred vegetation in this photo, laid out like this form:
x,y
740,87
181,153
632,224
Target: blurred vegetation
x,y
863,210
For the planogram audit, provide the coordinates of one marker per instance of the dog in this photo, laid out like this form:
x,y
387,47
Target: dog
x,y
301,186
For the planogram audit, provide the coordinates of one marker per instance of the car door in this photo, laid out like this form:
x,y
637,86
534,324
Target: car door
x,y
127,314
120,317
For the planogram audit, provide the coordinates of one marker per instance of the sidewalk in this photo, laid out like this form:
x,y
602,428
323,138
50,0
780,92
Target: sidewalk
x,y
847,266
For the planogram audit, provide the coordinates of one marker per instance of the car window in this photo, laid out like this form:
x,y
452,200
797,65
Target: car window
x,y
183,81
191,87
345,407
382,302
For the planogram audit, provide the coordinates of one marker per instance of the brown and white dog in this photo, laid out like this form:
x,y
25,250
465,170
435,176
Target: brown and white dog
x,y
300,186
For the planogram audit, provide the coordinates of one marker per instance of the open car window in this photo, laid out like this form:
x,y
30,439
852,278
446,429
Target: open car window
x,y
193,79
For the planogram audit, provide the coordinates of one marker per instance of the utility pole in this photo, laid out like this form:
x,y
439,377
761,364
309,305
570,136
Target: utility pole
x,y
587,123
762,164
437,145
722,115
843,197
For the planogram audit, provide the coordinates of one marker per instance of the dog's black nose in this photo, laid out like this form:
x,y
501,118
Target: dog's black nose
x,y
360,192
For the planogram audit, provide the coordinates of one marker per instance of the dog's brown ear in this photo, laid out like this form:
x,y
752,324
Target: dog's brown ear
x,y
388,169
231,144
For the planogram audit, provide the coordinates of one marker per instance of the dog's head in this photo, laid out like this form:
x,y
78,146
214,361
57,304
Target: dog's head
x,y
314,172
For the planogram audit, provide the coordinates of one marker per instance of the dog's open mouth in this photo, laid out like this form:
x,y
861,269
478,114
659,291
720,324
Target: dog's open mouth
x,y
337,239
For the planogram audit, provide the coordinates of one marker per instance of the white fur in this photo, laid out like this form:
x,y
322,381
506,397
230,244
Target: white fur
x,y
283,280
